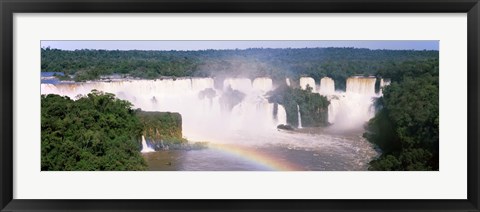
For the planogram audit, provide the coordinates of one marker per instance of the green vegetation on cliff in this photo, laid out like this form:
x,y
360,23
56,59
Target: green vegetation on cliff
x,y
161,128
406,127
99,132
96,132
313,106
336,63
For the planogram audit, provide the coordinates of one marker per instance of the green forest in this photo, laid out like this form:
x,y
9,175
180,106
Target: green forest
x,y
101,132
405,126
336,63
96,132
161,129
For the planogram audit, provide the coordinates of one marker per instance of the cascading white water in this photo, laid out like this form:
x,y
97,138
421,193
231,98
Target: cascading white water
x,y
383,83
145,147
333,108
287,80
299,117
254,113
262,84
327,86
361,85
304,81
351,109
202,115
242,84
281,115
253,117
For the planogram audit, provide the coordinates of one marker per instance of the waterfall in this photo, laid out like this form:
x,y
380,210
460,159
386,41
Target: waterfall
x,y
287,80
242,84
327,86
383,83
281,115
299,117
353,108
252,116
333,109
145,147
199,84
262,84
202,115
361,85
304,81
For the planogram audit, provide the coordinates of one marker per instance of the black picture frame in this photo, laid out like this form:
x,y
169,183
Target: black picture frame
x,y
9,7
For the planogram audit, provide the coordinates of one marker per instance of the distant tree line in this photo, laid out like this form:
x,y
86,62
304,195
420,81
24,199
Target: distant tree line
x,y
337,63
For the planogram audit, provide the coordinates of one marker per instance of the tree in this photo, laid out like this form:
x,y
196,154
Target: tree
x,y
96,132
336,63
407,126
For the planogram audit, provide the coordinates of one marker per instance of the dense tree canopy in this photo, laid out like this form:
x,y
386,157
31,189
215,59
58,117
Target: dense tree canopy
x,y
337,63
406,127
161,129
96,132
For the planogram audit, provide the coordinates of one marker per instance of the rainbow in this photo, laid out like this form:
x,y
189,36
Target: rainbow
x,y
263,159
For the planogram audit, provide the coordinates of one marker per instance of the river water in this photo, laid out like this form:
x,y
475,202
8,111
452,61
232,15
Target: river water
x,y
311,149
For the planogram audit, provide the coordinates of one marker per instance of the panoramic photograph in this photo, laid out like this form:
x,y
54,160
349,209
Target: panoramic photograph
x,y
239,105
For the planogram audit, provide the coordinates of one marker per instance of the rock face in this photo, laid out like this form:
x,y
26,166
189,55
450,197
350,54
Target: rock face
x,y
285,127
161,129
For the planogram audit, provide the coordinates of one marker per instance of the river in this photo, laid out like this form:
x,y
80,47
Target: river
x,y
311,149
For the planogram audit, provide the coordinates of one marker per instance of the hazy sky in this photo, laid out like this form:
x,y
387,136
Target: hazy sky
x,y
202,45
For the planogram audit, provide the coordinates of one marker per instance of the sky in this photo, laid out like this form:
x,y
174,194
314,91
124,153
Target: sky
x,y
202,45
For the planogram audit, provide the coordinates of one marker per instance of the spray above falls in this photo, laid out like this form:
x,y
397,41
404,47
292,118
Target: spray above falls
x,y
209,113
348,109
205,111
351,109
